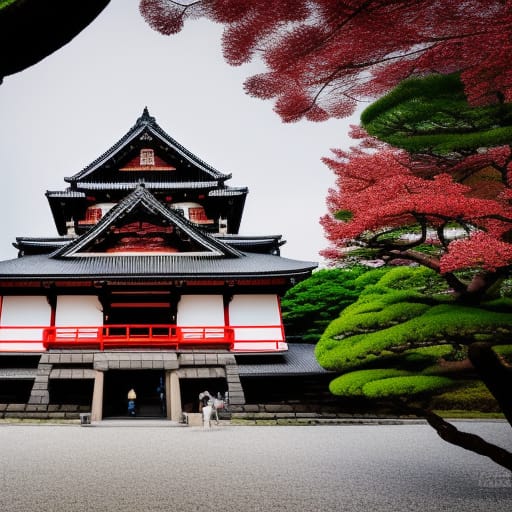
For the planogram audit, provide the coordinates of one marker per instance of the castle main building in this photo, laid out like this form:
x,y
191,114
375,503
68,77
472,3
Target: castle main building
x,y
149,282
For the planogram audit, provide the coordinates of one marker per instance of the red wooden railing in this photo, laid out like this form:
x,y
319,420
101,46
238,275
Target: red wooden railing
x,y
269,338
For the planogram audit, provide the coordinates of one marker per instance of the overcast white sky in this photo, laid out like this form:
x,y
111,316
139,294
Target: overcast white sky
x,y
62,113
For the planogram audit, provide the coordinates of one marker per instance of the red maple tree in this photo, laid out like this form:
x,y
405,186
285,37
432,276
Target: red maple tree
x,y
382,202
322,56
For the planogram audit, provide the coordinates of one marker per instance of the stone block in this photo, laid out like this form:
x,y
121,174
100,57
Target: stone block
x,y
203,373
278,408
16,407
211,359
251,408
18,415
36,408
186,359
136,364
200,359
88,358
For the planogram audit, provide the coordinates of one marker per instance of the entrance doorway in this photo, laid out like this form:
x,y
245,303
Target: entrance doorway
x,y
143,308
146,384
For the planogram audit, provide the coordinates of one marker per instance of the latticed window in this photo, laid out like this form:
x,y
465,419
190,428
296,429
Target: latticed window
x,y
147,157
197,214
92,215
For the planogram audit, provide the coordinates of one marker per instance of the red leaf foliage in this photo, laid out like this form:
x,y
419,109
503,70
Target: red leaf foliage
x,y
382,190
324,55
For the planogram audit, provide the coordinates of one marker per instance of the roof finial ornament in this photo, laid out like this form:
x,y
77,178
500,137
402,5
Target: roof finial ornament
x,y
145,118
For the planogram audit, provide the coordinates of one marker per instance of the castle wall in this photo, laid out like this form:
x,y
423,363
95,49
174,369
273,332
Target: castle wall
x,y
78,310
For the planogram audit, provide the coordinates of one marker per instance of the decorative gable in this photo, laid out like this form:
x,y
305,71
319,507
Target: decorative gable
x,y
141,224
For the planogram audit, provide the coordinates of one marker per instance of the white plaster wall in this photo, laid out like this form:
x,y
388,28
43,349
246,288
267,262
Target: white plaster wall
x,y
23,311
200,310
78,310
256,310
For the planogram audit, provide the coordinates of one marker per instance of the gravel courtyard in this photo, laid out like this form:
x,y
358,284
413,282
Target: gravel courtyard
x,y
248,468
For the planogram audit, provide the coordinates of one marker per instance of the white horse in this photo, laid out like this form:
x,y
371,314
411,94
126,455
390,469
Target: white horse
x,y
210,409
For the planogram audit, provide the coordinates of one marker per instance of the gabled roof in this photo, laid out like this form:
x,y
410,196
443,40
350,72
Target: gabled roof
x,y
146,126
159,267
142,201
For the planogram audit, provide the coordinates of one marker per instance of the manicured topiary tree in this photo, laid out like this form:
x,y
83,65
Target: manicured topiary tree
x,y
404,342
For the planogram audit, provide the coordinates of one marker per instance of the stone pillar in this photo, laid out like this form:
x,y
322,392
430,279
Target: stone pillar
x,y
97,396
40,394
174,396
235,390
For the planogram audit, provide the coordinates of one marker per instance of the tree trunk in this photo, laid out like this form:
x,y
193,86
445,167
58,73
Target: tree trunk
x,y
495,374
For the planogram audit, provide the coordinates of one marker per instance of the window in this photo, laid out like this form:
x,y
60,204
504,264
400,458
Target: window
x,y
147,157
92,215
197,214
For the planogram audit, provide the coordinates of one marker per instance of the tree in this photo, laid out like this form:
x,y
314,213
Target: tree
x,y
322,56
311,305
407,207
404,342
432,115
30,30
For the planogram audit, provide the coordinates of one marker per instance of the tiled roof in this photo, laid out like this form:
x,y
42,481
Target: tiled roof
x,y
241,240
299,360
153,185
65,193
228,191
148,123
154,265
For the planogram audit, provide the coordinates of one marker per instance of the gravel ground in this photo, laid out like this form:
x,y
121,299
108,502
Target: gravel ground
x,y
248,468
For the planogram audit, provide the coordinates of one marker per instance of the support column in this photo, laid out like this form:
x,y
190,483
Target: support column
x,y
173,396
97,396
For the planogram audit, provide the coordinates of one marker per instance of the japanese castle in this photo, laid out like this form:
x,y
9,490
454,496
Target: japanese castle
x,y
147,284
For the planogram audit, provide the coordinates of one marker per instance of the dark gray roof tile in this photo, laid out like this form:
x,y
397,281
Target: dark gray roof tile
x,y
298,360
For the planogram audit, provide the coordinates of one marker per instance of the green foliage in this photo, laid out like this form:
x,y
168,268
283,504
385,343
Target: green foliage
x,y
409,385
351,384
5,3
396,339
432,114
344,215
310,306
468,395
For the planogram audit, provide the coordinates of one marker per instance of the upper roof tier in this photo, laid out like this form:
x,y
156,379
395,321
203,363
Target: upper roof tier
x,y
146,155
125,159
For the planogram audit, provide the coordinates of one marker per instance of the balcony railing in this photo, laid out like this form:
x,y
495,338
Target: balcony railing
x,y
268,338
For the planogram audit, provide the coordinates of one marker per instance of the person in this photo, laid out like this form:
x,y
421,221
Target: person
x,y
132,397
161,394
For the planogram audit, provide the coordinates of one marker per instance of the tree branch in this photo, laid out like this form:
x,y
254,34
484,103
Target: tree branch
x,y
453,435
